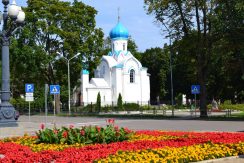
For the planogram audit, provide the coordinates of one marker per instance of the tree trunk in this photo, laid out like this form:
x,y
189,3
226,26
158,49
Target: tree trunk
x,y
201,61
203,91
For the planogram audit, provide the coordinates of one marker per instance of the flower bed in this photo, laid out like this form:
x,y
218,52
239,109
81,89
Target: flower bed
x,y
141,146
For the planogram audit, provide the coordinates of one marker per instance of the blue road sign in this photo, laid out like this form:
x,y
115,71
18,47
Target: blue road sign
x,y
195,89
54,89
29,88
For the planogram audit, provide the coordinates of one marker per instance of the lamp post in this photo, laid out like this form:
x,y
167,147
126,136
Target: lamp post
x,y
68,61
12,17
171,77
171,71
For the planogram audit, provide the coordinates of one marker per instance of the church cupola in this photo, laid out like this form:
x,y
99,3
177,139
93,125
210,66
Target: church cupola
x,y
119,32
119,37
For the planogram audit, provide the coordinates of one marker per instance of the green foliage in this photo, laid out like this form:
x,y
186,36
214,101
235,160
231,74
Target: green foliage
x,y
228,105
85,135
178,99
132,47
120,102
22,106
18,101
98,103
206,36
239,107
53,27
131,106
157,62
227,102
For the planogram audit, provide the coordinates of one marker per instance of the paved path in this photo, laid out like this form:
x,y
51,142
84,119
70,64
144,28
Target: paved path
x,y
25,126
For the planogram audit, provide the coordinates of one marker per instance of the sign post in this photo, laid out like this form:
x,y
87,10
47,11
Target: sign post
x,y
195,89
29,91
54,89
46,92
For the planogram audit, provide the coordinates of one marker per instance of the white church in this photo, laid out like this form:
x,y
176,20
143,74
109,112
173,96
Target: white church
x,y
118,73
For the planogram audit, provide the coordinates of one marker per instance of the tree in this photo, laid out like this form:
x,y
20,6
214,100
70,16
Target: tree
x,y
227,78
157,62
53,27
98,103
182,19
132,47
120,102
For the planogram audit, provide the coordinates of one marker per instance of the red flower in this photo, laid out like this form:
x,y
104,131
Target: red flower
x,y
110,121
42,126
98,128
65,134
82,132
116,128
127,130
55,131
71,126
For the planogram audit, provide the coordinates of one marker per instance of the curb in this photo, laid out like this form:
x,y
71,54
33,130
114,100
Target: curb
x,y
221,159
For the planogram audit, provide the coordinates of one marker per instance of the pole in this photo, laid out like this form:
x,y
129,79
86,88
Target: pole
x,y
171,79
7,111
29,111
69,88
46,92
195,105
54,105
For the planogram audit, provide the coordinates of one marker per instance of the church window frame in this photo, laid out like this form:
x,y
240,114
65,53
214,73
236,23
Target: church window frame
x,y
124,46
132,76
103,70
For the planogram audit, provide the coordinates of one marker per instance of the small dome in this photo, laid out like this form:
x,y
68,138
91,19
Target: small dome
x,y
119,32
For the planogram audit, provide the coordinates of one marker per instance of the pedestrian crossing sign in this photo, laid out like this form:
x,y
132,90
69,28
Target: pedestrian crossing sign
x,y
195,89
54,89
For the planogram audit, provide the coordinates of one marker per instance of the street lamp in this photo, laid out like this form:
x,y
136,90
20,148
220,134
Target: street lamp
x,y
171,71
68,61
16,16
171,77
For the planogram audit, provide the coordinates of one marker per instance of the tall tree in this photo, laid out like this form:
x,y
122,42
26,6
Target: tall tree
x,y
157,62
52,28
184,18
228,47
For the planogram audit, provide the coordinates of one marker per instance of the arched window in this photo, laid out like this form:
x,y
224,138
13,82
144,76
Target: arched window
x,y
103,70
132,76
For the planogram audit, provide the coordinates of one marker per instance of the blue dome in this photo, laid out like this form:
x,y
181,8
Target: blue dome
x,y
119,32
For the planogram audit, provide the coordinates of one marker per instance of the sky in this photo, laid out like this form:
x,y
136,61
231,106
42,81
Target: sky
x,y
133,16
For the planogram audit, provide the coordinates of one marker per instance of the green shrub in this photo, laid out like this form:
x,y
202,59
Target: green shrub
x,y
239,107
85,135
98,103
227,102
120,102
131,106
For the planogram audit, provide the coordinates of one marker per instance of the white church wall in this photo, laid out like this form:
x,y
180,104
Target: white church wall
x,y
105,94
118,45
145,86
132,93
84,85
117,83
